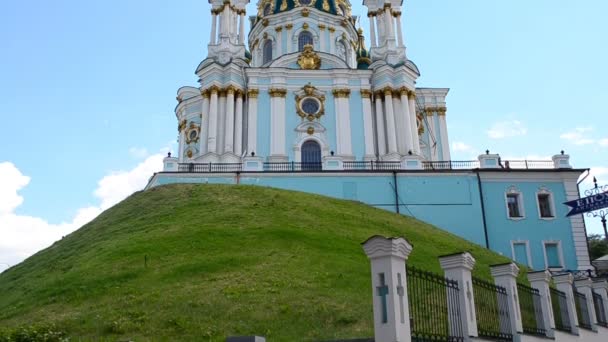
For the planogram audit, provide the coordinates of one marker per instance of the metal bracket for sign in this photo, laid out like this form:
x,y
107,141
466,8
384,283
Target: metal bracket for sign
x,y
595,204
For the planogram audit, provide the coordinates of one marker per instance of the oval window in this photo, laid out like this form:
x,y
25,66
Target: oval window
x,y
310,106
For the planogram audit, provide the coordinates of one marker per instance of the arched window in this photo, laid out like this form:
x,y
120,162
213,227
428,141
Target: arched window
x,y
267,51
311,156
267,9
303,39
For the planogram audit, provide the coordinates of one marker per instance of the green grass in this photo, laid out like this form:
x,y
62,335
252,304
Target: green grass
x,y
221,261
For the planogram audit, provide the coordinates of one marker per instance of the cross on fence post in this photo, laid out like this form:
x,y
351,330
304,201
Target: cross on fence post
x,y
389,288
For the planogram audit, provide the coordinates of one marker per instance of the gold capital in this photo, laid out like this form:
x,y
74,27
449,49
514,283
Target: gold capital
x,y
388,91
341,92
278,28
206,93
305,26
332,29
411,95
322,27
366,93
275,92
289,26
253,93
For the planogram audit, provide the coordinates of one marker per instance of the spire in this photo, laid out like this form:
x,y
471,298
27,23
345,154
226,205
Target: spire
x,y
227,30
385,15
363,60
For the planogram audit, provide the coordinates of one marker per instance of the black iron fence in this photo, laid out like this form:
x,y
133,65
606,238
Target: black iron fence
x,y
531,310
600,311
450,165
559,302
492,311
527,164
210,167
371,165
434,305
293,167
582,310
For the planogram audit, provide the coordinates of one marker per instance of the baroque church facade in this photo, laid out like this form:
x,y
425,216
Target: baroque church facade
x,y
303,86
301,103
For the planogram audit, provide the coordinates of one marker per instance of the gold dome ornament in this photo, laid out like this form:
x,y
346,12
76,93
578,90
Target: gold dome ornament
x,y
309,60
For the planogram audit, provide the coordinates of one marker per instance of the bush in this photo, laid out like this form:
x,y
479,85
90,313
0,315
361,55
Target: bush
x,y
33,334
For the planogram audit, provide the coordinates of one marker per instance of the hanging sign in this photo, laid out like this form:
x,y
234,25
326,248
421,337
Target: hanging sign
x,y
587,204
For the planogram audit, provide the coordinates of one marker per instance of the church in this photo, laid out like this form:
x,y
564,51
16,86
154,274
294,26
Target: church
x,y
303,102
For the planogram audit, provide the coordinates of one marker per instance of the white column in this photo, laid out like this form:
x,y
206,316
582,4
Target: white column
x,y
380,124
277,124
389,288
204,123
213,107
182,145
506,276
584,286
390,122
407,130
279,42
242,28
343,130
429,114
399,124
381,28
414,123
221,122
332,46
458,267
289,40
368,126
540,281
321,38
252,121
563,282
388,20
213,38
226,21
443,134
399,30
229,128
372,29
238,125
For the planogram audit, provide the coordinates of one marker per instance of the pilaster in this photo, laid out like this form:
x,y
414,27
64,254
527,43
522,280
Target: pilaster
x,y
213,107
368,125
229,127
238,124
406,130
506,276
380,130
414,123
343,128
601,287
458,267
252,120
277,125
541,281
585,286
564,282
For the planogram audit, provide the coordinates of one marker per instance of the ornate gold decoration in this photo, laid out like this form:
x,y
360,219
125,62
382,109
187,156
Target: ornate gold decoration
x,y
278,28
378,94
411,95
419,119
305,26
441,111
309,60
310,130
222,93
253,93
276,92
322,27
193,128
366,93
182,125
189,153
265,22
265,35
310,92
396,14
325,5
341,93
344,23
230,90
388,91
387,5
283,5
305,12
403,91
289,26
332,29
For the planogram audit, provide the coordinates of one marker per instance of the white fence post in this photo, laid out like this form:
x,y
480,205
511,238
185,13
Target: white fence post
x,y
540,281
601,287
584,286
388,257
458,267
563,282
505,275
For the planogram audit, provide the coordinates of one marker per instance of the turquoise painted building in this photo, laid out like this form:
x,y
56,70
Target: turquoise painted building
x,y
301,103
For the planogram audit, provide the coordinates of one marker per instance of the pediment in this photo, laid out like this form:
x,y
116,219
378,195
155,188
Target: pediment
x,y
328,61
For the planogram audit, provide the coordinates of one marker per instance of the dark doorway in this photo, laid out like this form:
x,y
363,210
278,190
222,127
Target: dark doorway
x,y
311,156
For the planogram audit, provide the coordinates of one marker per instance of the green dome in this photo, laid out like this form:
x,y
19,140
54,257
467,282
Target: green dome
x,y
363,56
336,7
247,55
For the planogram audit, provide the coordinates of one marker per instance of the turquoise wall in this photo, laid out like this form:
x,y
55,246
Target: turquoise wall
x,y
356,124
263,143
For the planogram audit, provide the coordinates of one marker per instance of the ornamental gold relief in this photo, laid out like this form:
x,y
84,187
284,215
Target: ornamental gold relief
x,y
253,93
193,133
310,93
366,93
341,93
308,59
275,92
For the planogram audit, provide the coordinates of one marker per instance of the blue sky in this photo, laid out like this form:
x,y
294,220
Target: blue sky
x,y
87,88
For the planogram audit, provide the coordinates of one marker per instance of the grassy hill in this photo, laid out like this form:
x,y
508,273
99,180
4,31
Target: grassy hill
x,y
202,262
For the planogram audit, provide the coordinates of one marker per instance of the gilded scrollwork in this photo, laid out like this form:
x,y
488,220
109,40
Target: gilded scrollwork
x,y
193,133
308,59
310,96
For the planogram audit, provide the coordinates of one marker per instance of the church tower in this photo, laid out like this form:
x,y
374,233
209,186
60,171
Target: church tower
x,y
302,87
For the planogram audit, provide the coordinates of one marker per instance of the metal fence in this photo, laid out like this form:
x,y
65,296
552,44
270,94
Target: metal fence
x,y
210,167
434,305
582,310
371,165
492,310
293,167
527,164
450,165
559,303
600,312
531,310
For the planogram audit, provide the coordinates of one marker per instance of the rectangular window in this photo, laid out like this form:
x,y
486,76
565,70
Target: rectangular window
x,y
552,252
544,205
520,249
513,204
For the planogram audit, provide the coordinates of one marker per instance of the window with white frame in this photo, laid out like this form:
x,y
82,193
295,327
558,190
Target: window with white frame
x,y
267,51
514,201
521,252
553,254
546,207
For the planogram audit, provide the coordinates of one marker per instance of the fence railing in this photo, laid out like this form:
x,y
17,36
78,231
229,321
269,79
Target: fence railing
x,y
492,310
210,167
531,310
293,167
371,165
450,165
559,302
527,164
434,307
600,312
582,310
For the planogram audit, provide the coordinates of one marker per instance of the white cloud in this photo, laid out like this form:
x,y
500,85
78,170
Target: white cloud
x,y
603,142
579,136
507,129
138,152
459,146
23,236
